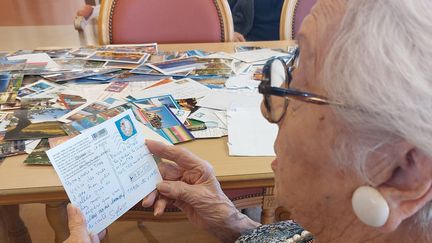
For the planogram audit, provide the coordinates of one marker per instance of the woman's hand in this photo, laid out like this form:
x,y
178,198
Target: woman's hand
x,y
78,228
191,183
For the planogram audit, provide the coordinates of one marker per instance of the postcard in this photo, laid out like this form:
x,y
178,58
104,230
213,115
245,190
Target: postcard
x,y
54,53
20,128
132,77
146,70
166,124
150,48
106,170
195,125
36,88
179,89
257,55
46,115
11,148
249,134
188,104
154,101
75,74
12,65
76,63
166,56
39,156
122,65
77,126
9,93
246,48
223,99
112,56
83,51
89,108
71,101
53,142
116,87
37,57
176,65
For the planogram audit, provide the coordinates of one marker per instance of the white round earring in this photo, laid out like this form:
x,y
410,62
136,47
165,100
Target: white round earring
x,y
370,206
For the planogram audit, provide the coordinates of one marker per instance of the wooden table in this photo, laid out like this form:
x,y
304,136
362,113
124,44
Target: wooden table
x,y
20,183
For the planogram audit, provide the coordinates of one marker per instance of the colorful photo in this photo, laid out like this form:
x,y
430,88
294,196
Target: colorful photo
x,y
164,122
112,56
166,100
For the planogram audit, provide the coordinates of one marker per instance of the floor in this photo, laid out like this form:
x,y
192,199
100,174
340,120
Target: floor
x,y
125,231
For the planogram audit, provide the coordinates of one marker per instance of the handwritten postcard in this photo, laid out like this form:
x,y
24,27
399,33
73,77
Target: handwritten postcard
x,y
106,170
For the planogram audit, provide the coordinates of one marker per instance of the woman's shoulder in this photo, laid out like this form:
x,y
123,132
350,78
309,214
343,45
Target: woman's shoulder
x,y
284,231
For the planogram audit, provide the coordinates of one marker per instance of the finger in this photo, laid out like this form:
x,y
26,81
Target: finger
x,y
149,199
181,156
160,205
94,238
177,190
76,222
170,171
103,234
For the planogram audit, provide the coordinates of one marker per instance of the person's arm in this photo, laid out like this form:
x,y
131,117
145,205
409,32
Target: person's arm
x,y
193,186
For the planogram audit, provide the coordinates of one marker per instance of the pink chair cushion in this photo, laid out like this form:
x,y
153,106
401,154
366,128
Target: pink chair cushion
x,y
165,21
303,9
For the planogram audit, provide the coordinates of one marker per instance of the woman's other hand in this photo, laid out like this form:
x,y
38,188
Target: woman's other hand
x,y
191,184
78,228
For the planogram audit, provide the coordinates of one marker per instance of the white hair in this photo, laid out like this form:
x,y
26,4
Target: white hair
x,y
381,62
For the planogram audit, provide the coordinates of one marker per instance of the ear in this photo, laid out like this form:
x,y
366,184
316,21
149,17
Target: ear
x,y
409,188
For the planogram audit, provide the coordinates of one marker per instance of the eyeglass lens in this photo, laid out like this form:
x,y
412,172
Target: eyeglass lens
x,y
278,78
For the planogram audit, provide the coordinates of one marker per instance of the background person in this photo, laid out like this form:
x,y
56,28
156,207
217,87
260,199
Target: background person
x,y
256,20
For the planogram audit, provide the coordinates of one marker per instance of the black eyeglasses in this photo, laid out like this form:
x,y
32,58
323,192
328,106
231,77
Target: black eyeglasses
x,y
277,76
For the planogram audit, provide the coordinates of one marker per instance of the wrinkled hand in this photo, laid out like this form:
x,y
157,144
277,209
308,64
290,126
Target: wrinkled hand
x,y
191,183
78,228
238,37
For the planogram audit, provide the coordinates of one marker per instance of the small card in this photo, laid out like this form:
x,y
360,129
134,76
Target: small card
x,y
106,170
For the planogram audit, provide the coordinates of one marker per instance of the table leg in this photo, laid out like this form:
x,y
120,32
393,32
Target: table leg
x,y
269,206
57,218
13,227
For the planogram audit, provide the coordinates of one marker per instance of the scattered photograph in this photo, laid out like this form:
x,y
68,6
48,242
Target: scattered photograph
x,y
46,115
188,104
20,128
112,56
116,87
39,156
176,65
150,48
71,102
9,93
69,75
165,123
166,100
12,65
87,109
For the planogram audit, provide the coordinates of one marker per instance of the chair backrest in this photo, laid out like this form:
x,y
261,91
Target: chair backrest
x,y
164,21
292,15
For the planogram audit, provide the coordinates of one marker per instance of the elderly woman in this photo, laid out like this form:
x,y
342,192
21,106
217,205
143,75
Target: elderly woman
x,y
354,148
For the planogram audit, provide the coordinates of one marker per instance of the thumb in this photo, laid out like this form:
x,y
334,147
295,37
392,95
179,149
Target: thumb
x,y
177,190
76,222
